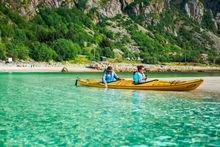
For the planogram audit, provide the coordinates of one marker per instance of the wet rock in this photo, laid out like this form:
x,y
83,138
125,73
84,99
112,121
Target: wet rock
x,y
64,69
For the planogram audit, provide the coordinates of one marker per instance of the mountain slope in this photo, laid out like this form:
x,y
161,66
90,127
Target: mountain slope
x,y
151,30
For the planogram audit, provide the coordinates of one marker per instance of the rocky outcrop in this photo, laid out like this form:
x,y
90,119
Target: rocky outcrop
x,y
124,3
28,8
64,69
217,18
213,5
216,40
132,45
194,9
147,10
109,8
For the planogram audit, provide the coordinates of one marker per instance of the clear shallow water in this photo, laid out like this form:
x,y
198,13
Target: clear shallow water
x,y
46,109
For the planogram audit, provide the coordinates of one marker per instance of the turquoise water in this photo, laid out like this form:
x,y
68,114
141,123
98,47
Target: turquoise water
x,y
46,109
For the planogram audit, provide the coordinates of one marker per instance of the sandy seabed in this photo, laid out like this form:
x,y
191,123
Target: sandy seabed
x,y
210,84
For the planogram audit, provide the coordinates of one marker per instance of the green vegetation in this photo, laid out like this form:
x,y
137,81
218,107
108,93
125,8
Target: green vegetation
x,y
162,46
41,52
207,21
70,35
2,51
66,49
58,34
80,59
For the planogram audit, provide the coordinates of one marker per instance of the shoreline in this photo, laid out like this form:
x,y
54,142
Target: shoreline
x,y
99,67
45,67
210,84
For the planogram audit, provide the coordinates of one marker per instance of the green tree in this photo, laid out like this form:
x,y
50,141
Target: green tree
x,y
208,22
66,49
2,52
96,54
51,18
107,52
17,50
41,52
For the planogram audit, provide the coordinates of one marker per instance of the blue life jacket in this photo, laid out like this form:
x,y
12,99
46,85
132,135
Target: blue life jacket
x,y
136,76
109,77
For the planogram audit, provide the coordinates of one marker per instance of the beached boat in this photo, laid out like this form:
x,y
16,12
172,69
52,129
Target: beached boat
x,y
149,85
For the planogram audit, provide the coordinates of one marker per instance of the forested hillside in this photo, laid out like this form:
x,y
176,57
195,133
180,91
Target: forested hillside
x,y
152,31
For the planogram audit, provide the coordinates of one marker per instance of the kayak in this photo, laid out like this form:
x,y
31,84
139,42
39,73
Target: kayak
x,y
149,85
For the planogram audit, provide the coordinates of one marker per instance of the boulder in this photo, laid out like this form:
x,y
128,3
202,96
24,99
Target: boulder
x,y
64,69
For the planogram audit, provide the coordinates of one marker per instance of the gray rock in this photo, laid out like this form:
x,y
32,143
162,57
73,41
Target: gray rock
x,y
195,9
64,69
109,8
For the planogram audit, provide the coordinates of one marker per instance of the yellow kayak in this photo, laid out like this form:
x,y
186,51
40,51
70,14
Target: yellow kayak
x,y
149,85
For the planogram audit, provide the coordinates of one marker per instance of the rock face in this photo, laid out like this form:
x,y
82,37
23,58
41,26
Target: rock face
x,y
145,10
213,5
216,40
124,3
217,19
109,8
28,8
194,9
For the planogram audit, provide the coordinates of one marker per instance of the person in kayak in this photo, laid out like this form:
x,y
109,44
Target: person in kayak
x,y
139,76
109,76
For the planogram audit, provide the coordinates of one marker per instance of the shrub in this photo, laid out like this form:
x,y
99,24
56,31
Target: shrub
x,y
2,52
107,52
208,22
66,49
105,43
96,53
41,52
17,50
51,18
80,60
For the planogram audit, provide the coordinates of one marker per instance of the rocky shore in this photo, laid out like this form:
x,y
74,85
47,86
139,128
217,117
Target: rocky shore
x,y
122,67
97,67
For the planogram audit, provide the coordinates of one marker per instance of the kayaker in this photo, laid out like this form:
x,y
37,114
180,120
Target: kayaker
x,y
139,76
109,76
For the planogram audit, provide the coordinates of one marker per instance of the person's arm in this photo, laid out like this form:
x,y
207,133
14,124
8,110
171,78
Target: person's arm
x,y
104,80
144,77
116,76
140,79
136,78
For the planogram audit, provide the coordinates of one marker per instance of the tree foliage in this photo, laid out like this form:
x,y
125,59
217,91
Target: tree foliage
x,y
41,52
66,49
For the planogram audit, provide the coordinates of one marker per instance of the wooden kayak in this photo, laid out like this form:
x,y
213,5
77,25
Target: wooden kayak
x,y
149,85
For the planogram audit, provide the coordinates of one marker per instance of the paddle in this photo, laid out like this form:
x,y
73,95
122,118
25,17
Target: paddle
x,y
76,82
